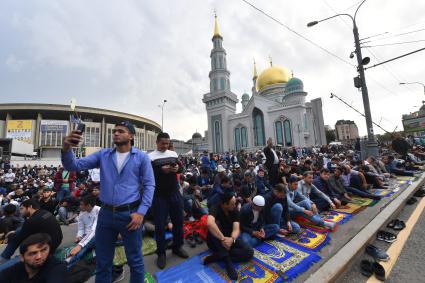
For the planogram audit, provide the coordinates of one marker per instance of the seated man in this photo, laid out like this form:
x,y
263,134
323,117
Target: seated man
x,y
223,233
394,167
261,182
322,183
38,221
36,264
249,188
276,210
298,204
225,186
253,227
321,200
9,221
346,177
48,201
87,220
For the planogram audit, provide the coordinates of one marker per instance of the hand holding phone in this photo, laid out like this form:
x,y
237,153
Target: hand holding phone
x,y
72,140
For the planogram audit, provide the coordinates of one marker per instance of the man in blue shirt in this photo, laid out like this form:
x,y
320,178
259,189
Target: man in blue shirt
x,y
124,170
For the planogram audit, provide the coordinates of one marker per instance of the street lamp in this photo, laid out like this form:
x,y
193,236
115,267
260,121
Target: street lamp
x,y
419,83
372,145
162,114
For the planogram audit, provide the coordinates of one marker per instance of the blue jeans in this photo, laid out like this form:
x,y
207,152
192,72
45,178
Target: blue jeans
x,y
63,193
316,219
359,193
63,214
90,245
276,218
12,245
10,262
269,229
109,225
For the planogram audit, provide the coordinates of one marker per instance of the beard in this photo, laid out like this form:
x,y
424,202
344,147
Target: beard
x,y
120,143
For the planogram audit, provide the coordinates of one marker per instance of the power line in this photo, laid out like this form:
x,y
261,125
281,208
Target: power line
x,y
297,33
395,58
355,4
395,43
395,35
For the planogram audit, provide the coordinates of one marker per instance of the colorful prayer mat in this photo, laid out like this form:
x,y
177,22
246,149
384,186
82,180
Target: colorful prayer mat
x,y
405,178
149,278
382,192
364,201
336,217
62,253
308,239
304,222
148,247
351,208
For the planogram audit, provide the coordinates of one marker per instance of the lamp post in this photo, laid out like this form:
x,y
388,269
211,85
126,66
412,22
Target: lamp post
x,y
419,83
372,145
162,114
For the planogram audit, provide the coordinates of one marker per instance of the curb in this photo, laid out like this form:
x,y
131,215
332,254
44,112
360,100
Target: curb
x,y
332,269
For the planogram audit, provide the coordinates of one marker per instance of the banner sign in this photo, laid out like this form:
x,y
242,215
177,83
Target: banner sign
x,y
19,130
54,126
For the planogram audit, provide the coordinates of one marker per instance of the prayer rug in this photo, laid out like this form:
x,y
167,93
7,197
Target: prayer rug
x,y
336,217
351,208
149,278
364,201
307,239
148,247
62,253
304,222
382,192
405,178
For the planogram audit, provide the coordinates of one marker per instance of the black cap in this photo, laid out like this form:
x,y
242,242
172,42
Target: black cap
x,y
128,125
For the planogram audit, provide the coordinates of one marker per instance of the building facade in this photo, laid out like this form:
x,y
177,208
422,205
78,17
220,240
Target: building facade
x,y
45,125
346,130
414,123
277,108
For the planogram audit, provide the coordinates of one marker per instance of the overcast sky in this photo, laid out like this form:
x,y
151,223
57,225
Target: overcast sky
x,y
130,55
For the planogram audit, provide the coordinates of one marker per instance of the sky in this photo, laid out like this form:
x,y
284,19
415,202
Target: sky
x,y
131,55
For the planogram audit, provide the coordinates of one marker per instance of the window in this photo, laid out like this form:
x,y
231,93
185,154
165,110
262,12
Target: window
x,y
222,83
259,136
244,137
279,132
237,139
217,136
288,132
305,121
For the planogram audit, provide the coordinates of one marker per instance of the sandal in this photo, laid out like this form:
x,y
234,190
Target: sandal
x,y
392,223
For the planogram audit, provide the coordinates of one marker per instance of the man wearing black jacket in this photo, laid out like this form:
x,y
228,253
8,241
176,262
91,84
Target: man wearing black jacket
x,y
38,221
252,223
272,162
277,212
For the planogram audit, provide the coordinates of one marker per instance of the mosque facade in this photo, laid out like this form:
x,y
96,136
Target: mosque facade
x,y
276,108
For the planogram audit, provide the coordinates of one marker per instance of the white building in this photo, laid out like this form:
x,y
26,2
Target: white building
x,y
277,108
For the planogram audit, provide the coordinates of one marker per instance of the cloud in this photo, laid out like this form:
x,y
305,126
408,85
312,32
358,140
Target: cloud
x,y
130,55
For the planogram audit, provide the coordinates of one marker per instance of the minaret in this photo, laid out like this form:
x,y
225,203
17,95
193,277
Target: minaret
x,y
254,79
220,102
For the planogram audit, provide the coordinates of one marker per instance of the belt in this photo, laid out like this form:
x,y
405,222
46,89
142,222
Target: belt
x,y
123,207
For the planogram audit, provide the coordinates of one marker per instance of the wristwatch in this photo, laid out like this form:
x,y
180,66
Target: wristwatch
x,y
234,240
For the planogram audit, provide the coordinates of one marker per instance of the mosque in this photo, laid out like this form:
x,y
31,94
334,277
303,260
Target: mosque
x,y
276,108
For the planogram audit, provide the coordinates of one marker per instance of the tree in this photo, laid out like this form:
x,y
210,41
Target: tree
x,y
330,135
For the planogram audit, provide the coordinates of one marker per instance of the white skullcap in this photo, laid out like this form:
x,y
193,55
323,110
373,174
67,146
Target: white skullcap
x,y
259,201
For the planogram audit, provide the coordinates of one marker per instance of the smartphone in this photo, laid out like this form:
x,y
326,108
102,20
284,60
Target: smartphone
x,y
81,127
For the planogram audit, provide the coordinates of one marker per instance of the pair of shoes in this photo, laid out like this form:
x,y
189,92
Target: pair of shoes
x,y
197,238
420,193
377,253
386,236
161,261
330,225
368,268
411,201
396,225
181,253
191,241
118,275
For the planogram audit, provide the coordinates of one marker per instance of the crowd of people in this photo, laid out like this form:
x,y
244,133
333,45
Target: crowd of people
x,y
122,193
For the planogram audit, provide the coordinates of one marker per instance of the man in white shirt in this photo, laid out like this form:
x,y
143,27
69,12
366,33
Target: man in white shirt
x,y
87,220
9,177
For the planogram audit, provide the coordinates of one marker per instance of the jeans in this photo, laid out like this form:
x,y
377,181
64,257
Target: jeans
x,y
90,245
239,251
164,206
358,192
276,218
63,214
269,229
321,204
63,193
11,247
109,225
316,219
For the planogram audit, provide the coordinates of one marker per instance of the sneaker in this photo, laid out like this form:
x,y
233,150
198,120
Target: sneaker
x,y
330,225
377,253
118,274
386,236
161,261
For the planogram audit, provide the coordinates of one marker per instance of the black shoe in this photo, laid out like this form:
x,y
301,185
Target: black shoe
x,y
181,253
377,253
386,236
214,257
117,273
161,261
366,268
399,225
392,223
197,238
411,201
379,271
420,193
231,271
191,241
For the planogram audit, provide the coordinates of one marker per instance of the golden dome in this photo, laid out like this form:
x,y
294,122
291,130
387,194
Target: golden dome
x,y
272,75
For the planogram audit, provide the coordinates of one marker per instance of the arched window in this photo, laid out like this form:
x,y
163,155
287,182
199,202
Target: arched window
x,y
279,132
237,139
244,137
217,136
222,82
258,119
288,132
